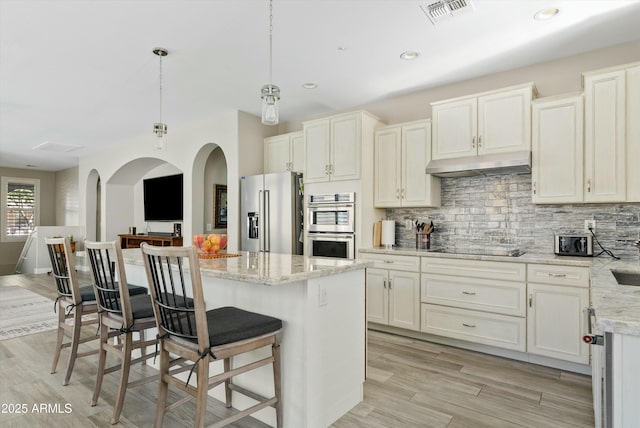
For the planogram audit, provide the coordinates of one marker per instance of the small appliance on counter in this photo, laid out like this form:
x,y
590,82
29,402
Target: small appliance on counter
x,y
388,238
579,245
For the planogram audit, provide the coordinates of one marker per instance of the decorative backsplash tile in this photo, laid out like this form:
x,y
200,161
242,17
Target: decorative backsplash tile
x,y
496,212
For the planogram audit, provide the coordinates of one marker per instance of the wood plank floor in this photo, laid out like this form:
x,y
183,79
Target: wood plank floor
x,y
410,384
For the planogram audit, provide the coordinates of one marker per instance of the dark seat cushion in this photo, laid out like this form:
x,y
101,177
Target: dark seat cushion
x,y
141,306
87,294
229,324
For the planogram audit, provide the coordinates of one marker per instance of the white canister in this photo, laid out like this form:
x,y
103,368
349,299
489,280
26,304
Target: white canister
x,y
388,233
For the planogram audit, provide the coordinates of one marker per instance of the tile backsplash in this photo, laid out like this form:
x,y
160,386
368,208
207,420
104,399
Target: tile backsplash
x,y
496,212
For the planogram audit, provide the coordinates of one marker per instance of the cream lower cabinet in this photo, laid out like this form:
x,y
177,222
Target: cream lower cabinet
x,y
473,300
557,297
393,291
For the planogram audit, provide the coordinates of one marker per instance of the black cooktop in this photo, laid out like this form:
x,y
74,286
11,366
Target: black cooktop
x,y
516,252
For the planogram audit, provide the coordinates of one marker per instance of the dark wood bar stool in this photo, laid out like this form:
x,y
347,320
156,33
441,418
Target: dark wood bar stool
x,y
200,336
72,303
121,314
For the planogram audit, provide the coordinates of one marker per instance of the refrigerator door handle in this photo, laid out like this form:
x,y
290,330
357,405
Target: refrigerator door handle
x,y
261,224
267,221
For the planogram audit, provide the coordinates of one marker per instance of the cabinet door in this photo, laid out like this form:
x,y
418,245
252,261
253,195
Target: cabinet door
x,y
346,139
418,189
557,156
556,323
455,129
276,154
387,167
605,146
404,300
316,149
633,134
504,121
297,151
377,296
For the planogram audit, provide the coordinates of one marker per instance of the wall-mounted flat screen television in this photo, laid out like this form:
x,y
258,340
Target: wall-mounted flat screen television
x,y
163,198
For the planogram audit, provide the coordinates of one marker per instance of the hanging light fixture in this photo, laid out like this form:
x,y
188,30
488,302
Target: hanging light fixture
x,y
160,128
270,93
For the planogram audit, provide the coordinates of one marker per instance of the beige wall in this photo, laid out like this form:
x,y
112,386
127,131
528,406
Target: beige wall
x,y
551,78
10,251
67,202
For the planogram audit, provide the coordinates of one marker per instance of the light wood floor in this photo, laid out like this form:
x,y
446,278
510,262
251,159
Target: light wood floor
x,y
410,384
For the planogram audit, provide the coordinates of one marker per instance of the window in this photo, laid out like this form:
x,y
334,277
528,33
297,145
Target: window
x,y
20,207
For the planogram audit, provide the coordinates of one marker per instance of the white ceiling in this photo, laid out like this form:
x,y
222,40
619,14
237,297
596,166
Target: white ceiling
x,y
83,72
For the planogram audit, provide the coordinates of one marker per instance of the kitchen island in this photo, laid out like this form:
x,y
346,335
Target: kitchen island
x,y
322,305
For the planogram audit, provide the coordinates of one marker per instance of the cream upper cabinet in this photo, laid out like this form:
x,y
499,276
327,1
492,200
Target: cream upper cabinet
x,y
284,153
557,296
487,123
612,134
605,139
557,150
333,148
401,155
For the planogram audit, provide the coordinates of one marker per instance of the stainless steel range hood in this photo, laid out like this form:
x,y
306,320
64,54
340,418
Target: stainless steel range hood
x,y
501,163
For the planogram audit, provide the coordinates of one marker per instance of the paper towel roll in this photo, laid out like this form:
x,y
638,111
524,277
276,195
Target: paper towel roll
x,y
388,233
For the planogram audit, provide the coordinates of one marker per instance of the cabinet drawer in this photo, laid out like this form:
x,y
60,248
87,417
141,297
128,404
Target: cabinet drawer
x,y
506,271
502,297
488,329
560,275
387,261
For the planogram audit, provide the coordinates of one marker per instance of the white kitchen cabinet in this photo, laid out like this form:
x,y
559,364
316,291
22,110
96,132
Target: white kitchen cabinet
x,y
612,134
557,150
557,297
475,300
284,153
333,148
393,292
492,122
401,154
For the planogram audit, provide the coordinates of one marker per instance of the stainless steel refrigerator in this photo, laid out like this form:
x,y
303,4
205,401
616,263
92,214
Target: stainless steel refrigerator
x,y
271,213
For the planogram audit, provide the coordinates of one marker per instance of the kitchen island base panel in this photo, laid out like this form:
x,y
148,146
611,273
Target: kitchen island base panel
x,y
322,346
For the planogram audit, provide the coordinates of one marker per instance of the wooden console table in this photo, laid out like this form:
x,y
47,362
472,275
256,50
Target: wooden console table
x,y
134,241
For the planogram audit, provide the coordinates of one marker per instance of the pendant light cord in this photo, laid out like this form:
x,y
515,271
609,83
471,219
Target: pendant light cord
x,y
160,88
270,41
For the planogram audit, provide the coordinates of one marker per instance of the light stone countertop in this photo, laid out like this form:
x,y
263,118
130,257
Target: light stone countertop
x,y
617,307
265,268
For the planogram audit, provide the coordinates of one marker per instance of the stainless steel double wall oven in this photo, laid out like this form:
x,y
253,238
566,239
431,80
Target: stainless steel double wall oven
x,y
331,226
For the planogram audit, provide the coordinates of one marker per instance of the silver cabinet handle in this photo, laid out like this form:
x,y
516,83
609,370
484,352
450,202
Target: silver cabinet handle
x,y
468,325
480,141
389,283
469,293
397,193
387,261
384,283
589,185
402,195
331,168
531,300
473,143
557,275
326,169
534,187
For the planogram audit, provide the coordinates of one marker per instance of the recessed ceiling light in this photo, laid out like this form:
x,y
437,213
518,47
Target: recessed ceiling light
x,y
310,85
545,14
409,55
342,48
31,166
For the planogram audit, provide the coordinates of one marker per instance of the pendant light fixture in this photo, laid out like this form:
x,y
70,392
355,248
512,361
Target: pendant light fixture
x,y
160,128
270,93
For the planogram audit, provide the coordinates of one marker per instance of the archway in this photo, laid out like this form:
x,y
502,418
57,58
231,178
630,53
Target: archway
x,y
93,206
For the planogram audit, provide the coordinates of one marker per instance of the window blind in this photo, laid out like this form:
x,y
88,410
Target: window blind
x,y
21,209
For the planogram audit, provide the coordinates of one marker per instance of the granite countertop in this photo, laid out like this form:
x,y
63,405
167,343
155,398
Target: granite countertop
x,y
617,307
265,268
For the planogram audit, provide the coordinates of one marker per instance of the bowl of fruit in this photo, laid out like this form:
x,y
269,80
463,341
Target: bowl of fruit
x,y
210,244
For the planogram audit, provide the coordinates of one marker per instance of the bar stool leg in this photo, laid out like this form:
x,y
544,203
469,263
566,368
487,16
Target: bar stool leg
x,y
102,360
227,389
75,338
277,382
125,366
56,356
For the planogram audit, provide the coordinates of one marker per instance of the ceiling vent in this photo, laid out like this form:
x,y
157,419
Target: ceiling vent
x,y
50,146
444,9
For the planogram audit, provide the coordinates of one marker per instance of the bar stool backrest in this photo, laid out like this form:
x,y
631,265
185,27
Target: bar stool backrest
x,y
109,279
172,285
63,268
